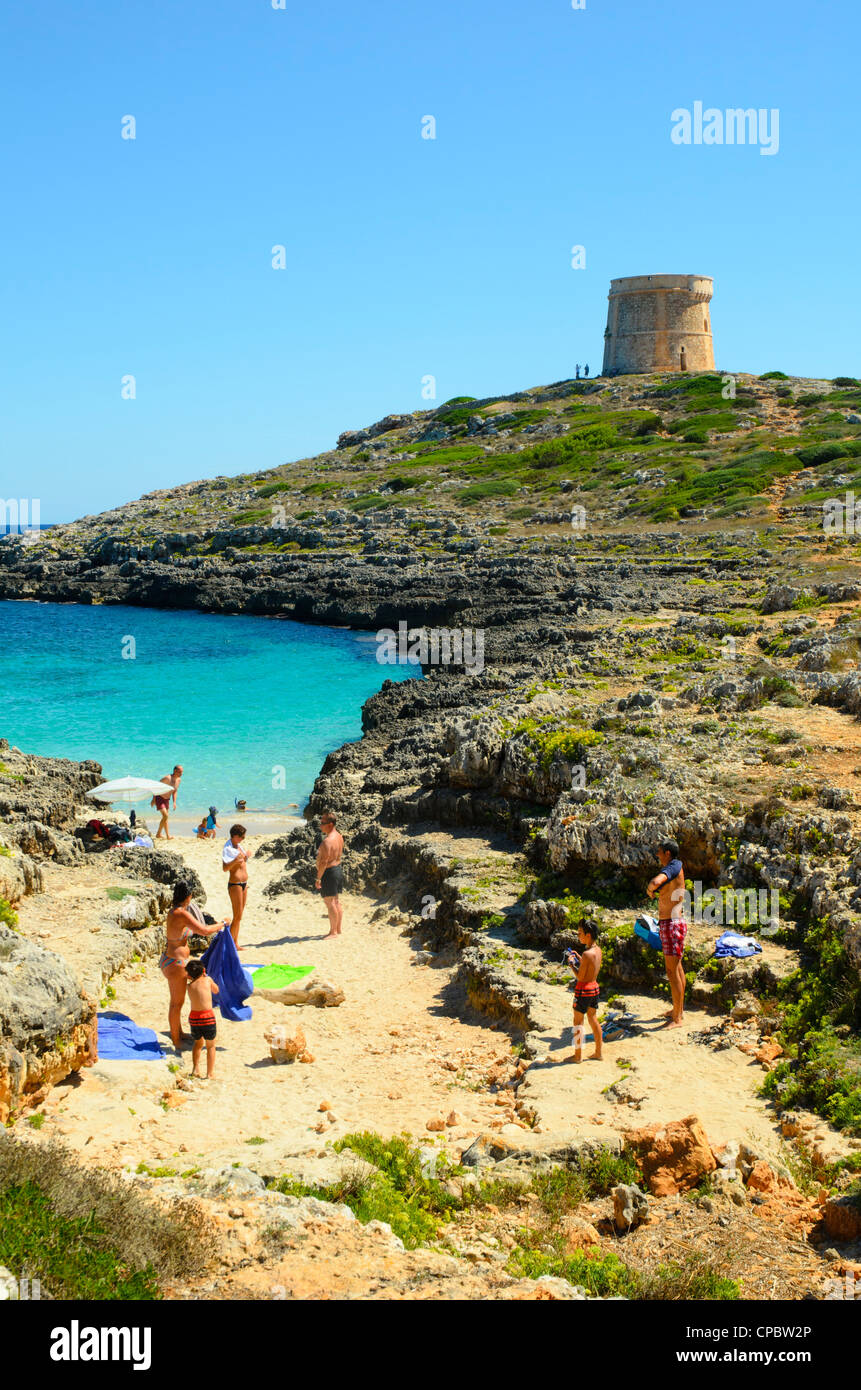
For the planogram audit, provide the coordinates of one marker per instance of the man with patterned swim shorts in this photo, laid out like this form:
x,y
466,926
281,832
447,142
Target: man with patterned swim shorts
x,y
669,884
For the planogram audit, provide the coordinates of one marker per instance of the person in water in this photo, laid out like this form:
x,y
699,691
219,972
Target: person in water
x,y
162,803
180,925
201,1019
587,991
669,884
234,862
330,875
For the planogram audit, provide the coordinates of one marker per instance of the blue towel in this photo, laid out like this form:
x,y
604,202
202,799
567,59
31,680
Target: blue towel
x,y
730,943
121,1040
234,984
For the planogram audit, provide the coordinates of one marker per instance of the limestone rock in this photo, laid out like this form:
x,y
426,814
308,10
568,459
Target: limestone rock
x,y
674,1157
780,597
162,865
842,1218
319,993
630,1206
284,1045
580,1234
47,1024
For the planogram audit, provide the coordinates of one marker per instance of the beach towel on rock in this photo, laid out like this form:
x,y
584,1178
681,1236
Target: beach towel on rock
x,y
121,1040
222,964
278,976
730,943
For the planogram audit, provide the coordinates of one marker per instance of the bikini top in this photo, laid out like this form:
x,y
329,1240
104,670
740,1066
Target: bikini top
x,y
186,932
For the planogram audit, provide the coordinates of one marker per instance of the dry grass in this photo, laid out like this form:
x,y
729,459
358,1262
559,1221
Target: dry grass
x,y
112,1220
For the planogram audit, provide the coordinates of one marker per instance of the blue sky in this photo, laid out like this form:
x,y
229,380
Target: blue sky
x,y
406,257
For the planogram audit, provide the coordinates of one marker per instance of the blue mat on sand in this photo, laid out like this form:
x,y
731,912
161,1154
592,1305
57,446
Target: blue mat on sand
x,y
121,1040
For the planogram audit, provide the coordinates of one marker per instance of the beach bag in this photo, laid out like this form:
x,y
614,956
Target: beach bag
x,y
646,928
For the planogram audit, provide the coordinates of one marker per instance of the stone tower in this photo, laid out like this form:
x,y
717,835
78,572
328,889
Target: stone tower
x,y
659,323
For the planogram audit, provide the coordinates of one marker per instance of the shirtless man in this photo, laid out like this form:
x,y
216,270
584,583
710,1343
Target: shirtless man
x,y
669,885
162,803
234,862
330,875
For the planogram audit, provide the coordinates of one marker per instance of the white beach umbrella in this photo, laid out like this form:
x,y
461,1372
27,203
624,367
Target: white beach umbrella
x,y
130,789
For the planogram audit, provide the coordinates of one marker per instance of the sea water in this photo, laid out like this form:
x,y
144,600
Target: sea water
x,y
248,706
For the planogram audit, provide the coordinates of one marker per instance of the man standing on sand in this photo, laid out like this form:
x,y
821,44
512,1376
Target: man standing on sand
x,y
330,875
669,884
162,803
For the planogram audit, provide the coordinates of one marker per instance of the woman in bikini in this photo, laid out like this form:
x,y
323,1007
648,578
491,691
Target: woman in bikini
x,y
179,927
234,862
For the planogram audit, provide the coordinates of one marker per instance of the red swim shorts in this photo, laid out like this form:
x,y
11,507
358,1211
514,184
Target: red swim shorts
x,y
673,931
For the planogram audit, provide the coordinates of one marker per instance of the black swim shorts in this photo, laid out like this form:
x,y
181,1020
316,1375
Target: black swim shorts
x,y
584,1002
332,881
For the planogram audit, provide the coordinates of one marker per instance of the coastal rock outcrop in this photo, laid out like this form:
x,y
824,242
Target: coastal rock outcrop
x,y
47,1024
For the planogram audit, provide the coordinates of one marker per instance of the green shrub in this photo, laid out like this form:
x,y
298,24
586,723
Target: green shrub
x,y
399,1193
823,1070
818,454
494,487
602,1275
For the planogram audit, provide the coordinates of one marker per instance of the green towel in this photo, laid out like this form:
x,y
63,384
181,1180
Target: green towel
x,y
277,976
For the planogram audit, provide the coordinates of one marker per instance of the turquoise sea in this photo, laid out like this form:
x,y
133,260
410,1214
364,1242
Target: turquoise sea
x,y
249,706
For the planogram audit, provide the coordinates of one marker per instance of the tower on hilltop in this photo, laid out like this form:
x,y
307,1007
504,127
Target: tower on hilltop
x,y
659,323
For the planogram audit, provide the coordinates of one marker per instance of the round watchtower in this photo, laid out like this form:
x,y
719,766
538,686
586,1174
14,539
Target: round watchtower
x,y
659,323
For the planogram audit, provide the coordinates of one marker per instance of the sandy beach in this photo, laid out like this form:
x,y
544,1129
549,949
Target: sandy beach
x,y
404,1048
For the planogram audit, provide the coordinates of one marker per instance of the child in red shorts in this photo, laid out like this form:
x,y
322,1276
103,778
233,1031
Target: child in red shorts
x,y
201,1019
587,992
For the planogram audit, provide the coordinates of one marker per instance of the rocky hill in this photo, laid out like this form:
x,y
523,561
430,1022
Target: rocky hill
x,y
472,504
